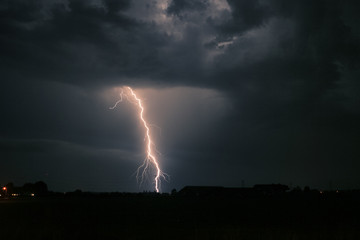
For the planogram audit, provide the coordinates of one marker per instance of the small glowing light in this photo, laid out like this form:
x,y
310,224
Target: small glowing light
x,y
14,194
32,194
321,192
4,188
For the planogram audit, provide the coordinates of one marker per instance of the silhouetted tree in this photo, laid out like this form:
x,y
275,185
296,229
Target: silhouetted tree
x,y
297,190
27,188
40,188
77,192
9,188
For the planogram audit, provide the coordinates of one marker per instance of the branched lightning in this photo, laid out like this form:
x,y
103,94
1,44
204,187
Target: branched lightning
x,y
150,159
120,100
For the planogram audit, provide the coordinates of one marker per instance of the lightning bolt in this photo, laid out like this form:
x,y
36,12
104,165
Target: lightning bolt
x,y
150,159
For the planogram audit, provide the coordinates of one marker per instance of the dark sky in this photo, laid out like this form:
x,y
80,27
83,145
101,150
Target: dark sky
x,y
243,90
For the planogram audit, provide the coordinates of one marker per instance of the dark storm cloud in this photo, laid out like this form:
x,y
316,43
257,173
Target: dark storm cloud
x,y
289,69
85,41
304,64
70,41
284,71
178,6
244,16
290,99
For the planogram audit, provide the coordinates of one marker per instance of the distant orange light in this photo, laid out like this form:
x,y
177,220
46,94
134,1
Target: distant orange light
x,y
4,188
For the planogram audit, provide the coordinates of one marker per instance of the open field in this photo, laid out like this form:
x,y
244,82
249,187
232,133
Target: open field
x,y
168,217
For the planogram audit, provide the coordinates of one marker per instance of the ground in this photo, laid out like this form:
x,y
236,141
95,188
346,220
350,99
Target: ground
x,y
169,217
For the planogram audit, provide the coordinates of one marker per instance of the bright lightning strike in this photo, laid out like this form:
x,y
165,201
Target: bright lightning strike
x,y
150,159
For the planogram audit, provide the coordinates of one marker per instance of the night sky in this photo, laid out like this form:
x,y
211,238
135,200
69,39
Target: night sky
x,y
244,91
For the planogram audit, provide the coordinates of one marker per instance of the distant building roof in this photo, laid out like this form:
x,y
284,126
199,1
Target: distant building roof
x,y
206,191
201,191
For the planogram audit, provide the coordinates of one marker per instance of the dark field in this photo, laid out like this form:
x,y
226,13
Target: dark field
x,y
169,217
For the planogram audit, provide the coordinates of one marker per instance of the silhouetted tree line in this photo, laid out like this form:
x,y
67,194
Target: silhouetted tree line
x,y
28,189
258,190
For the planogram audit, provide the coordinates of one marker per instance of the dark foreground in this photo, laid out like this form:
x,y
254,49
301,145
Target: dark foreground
x,y
169,217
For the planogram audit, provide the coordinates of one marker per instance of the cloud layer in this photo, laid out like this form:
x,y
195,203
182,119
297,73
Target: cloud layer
x,y
261,91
